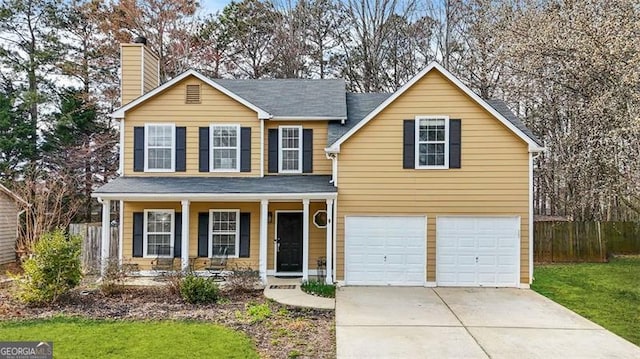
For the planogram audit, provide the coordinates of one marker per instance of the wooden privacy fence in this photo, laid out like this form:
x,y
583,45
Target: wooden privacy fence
x,y
91,234
584,241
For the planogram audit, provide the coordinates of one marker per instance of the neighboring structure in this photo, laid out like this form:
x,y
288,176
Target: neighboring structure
x,y
9,217
430,185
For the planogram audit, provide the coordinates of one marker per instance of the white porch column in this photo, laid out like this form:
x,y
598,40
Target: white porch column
x,y
305,239
106,235
184,250
264,213
329,228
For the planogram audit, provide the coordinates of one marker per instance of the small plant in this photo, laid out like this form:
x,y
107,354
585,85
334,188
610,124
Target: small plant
x,y
319,288
294,354
174,282
199,290
242,280
53,269
258,312
114,278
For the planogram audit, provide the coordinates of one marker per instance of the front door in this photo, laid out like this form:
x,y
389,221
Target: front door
x,y
289,242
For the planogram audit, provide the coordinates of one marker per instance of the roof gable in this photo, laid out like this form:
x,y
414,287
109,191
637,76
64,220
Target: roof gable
x,y
119,113
534,146
12,195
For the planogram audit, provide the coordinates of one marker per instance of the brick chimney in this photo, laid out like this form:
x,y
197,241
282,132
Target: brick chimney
x,y
140,70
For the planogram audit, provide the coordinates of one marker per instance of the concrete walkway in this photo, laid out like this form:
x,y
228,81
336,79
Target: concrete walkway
x,y
384,322
287,291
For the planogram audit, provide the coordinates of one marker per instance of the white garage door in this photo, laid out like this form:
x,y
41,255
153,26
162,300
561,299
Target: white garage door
x,y
385,250
477,251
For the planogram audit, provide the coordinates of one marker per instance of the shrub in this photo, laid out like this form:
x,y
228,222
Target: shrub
x,y
242,280
53,269
174,282
319,288
199,290
114,277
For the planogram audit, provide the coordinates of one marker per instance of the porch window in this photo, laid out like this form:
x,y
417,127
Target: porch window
x,y
159,147
290,160
432,148
158,235
225,149
225,233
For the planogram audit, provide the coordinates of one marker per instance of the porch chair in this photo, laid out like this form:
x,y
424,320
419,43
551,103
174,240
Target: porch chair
x,y
161,262
218,263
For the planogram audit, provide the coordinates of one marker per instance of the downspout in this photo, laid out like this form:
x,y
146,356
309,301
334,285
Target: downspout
x,y
334,168
262,147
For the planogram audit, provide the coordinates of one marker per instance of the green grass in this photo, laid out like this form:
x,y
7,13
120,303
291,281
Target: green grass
x,y
606,293
319,288
84,338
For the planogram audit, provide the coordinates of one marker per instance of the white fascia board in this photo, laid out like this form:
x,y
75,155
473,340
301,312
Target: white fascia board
x,y
533,146
119,113
209,197
306,118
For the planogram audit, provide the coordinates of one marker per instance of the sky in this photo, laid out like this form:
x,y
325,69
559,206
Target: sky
x,y
212,6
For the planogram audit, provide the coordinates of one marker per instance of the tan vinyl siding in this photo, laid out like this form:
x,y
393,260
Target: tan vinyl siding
x,y
317,236
131,65
321,165
151,73
170,107
8,213
493,179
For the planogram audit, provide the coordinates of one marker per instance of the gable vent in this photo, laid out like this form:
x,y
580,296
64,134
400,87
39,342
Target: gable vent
x,y
193,94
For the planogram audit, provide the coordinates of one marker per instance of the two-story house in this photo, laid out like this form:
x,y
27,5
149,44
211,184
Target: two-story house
x,y
429,185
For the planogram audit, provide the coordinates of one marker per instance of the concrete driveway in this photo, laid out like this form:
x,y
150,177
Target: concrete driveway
x,y
393,322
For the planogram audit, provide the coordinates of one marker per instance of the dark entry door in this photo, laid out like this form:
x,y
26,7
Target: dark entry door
x,y
289,242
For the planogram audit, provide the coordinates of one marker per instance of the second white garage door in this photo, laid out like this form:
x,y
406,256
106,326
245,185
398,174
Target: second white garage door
x,y
477,251
382,250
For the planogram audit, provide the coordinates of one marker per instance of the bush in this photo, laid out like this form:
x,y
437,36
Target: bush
x,y
52,270
199,290
114,277
242,280
319,288
174,282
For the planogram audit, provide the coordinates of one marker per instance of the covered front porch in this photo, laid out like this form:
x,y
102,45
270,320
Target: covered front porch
x,y
281,226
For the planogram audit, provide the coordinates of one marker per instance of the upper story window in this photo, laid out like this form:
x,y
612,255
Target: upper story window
x,y
225,148
159,148
290,156
432,147
158,233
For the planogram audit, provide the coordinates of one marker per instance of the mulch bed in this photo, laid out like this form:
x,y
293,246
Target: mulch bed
x,y
287,332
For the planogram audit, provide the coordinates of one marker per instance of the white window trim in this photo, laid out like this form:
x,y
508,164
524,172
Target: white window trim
x,y
146,147
314,218
238,147
280,170
146,233
237,232
417,142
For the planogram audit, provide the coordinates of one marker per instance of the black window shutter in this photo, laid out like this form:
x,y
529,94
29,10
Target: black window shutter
x,y
245,238
245,149
203,149
203,234
273,150
177,235
181,149
455,132
409,145
138,233
307,150
138,149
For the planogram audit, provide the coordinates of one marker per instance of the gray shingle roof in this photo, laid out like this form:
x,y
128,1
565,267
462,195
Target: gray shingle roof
x,y
189,185
293,97
505,111
359,105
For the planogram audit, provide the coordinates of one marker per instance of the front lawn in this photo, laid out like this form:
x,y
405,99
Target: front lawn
x,y
84,338
606,293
